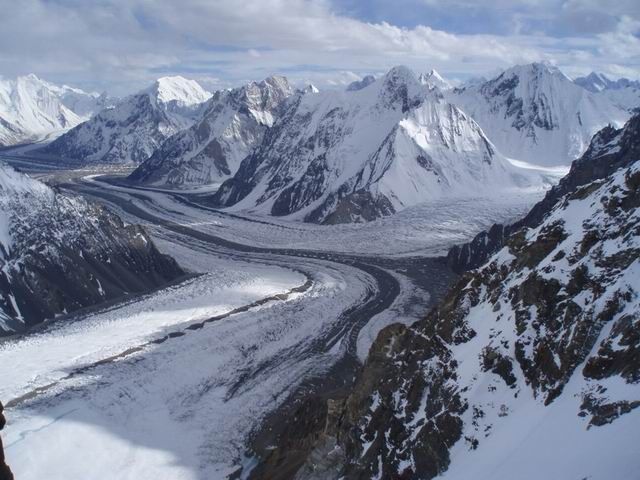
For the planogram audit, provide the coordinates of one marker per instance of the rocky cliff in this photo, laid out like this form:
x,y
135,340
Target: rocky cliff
x,y
5,471
59,253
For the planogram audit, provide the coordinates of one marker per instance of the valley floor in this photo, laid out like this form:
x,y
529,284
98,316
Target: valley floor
x,y
172,385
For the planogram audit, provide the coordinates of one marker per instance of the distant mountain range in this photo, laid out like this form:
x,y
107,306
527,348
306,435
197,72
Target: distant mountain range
x,y
336,155
598,82
136,126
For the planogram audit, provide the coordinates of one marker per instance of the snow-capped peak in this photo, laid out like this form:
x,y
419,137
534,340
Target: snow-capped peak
x,y
279,83
311,88
536,113
231,126
132,130
400,75
535,70
594,82
434,80
179,89
31,108
400,84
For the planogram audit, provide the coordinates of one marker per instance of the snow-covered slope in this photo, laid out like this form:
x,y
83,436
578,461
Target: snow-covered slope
x,y
31,108
434,80
59,253
179,91
537,114
348,156
609,150
529,368
136,126
233,123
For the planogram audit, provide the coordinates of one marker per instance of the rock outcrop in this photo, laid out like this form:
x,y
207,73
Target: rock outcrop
x,y
5,471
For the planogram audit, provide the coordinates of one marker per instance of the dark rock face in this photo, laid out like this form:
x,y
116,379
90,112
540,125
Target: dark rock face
x,y
352,207
472,255
360,84
610,149
66,254
5,471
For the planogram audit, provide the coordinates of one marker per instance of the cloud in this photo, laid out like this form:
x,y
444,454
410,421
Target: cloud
x,y
122,45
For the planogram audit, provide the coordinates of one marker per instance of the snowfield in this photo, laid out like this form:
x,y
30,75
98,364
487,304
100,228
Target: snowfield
x,y
181,409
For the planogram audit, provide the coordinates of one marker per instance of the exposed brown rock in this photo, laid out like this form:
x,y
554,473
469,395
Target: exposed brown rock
x,y
5,471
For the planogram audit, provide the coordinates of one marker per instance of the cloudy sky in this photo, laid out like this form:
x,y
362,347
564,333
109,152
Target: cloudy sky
x,y
122,45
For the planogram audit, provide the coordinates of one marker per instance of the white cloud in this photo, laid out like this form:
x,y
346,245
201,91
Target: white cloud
x,y
122,45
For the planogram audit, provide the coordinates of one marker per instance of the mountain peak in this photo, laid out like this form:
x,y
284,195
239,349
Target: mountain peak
x,y
400,86
400,76
32,76
278,82
434,80
536,69
597,82
180,89
400,73
311,88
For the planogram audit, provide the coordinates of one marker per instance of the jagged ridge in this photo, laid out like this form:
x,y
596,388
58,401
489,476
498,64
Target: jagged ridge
x,y
351,156
233,123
